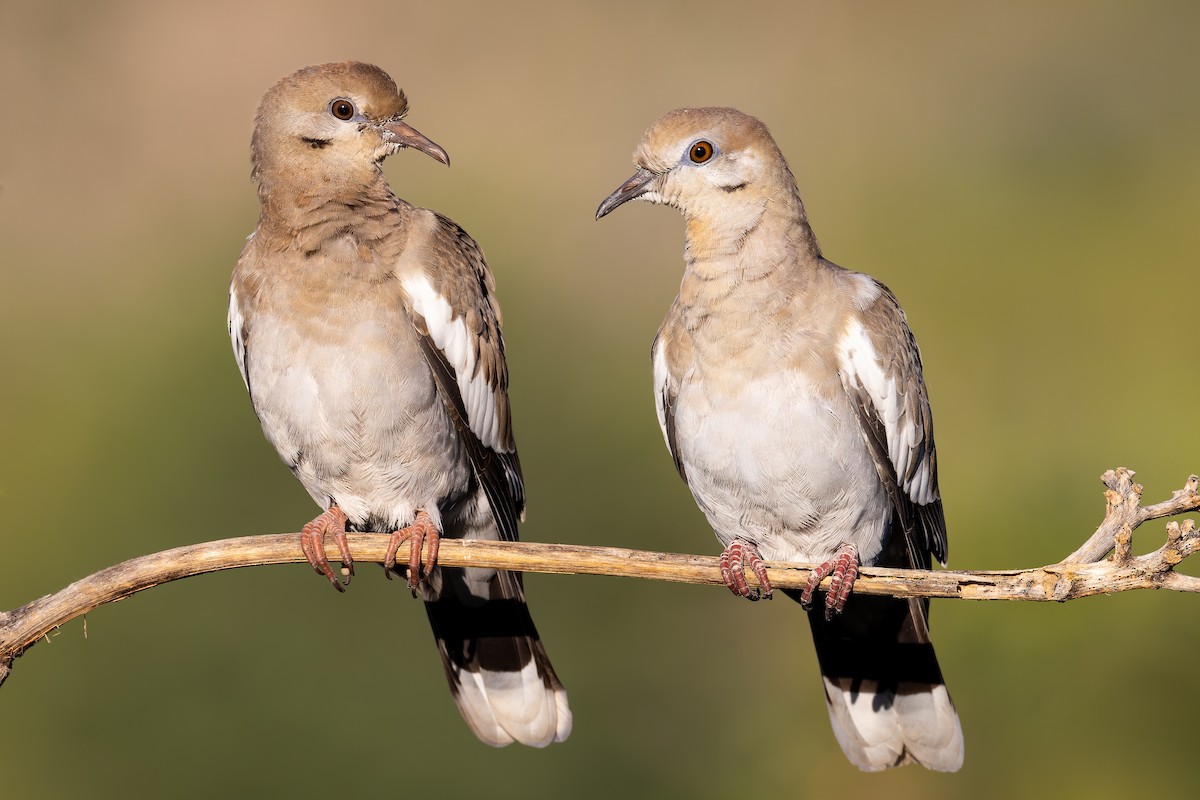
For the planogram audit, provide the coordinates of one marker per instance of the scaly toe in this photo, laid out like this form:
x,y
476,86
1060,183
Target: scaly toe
x,y
312,544
416,534
734,561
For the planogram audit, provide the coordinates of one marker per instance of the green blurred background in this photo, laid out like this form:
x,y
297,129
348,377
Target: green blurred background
x,y
1024,176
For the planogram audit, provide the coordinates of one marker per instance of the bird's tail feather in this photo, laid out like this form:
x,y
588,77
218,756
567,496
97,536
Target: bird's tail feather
x,y
888,703
499,673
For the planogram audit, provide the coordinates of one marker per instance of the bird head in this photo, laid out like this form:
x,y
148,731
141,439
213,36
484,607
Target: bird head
x,y
332,124
718,166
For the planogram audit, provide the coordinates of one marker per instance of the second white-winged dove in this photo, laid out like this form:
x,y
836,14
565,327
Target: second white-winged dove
x,y
790,394
368,334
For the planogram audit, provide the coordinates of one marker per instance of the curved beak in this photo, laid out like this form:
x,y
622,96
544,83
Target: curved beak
x,y
631,189
405,135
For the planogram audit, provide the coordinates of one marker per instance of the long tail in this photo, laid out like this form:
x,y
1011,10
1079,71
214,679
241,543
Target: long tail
x,y
887,700
499,674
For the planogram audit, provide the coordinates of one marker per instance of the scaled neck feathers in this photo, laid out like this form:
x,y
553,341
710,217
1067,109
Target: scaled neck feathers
x,y
750,238
311,217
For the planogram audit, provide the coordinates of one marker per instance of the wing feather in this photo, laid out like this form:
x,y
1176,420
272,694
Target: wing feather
x,y
880,368
666,388
237,334
458,319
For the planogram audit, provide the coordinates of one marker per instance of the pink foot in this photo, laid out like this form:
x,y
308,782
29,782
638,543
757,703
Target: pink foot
x,y
844,569
312,543
739,556
417,532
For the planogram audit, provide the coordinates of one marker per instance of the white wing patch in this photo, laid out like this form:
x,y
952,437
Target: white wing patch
x,y
860,366
450,335
236,323
661,377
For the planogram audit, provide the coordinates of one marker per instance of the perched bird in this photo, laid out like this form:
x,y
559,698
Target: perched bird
x,y
790,394
368,335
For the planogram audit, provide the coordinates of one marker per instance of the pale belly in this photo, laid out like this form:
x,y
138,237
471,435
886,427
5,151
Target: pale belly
x,y
771,462
357,417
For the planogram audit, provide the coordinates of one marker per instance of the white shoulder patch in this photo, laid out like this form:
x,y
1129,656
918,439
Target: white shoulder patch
x,y
450,335
236,322
866,292
859,365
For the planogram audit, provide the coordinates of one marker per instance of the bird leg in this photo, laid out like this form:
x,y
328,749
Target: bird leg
x,y
739,556
312,542
421,527
844,569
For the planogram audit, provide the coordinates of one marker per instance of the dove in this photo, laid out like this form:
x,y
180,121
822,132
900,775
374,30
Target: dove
x,y
368,334
790,394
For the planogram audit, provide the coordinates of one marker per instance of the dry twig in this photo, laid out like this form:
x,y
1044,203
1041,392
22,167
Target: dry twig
x,y
1083,573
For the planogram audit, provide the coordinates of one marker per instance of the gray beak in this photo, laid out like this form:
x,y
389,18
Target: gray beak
x,y
631,189
405,135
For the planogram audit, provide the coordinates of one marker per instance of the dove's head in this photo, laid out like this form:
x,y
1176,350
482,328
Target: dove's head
x,y
718,166
332,124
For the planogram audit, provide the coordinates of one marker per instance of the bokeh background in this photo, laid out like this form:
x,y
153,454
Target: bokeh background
x,y
1024,175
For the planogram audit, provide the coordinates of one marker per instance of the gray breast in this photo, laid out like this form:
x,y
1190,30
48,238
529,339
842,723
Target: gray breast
x,y
771,460
351,407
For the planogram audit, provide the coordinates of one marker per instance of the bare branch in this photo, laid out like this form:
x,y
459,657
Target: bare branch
x,y
1081,574
1123,509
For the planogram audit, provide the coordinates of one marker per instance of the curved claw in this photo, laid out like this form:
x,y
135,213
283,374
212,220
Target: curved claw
x,y
422,528
312,544
734,561
843,567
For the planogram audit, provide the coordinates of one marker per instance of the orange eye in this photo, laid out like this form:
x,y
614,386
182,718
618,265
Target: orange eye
x,y
701,151
342,109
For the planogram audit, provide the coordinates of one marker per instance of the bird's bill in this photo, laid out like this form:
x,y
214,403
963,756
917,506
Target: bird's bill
x,y
633,188
405,135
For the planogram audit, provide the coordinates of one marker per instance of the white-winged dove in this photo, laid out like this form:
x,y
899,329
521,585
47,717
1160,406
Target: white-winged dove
x,y
368,334
790,394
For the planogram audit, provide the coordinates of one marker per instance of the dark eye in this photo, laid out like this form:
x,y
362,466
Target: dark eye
x,y
342,109
701,151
